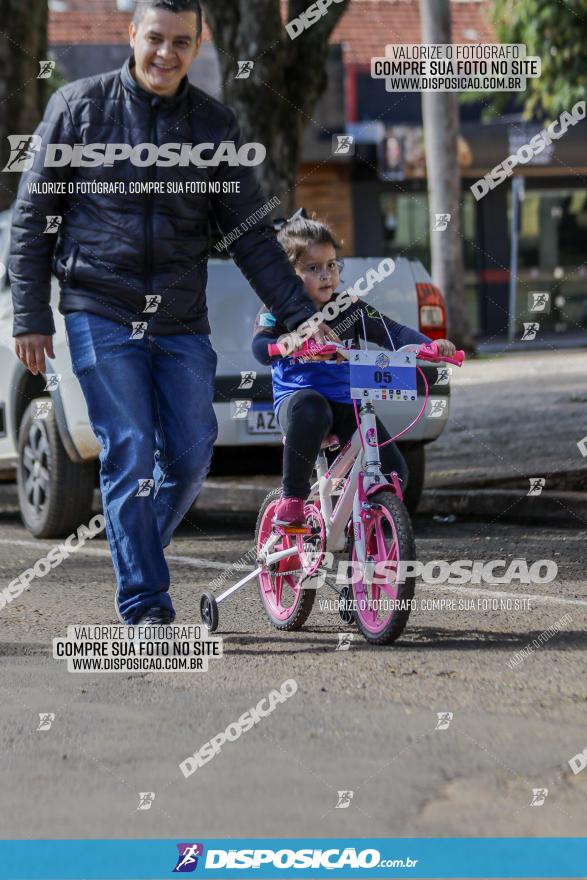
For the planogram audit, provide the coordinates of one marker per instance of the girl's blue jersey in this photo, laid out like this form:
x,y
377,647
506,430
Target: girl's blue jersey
x,y
330,379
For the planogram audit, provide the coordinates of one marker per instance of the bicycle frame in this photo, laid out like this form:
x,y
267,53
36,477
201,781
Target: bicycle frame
x,y
365,473
364,478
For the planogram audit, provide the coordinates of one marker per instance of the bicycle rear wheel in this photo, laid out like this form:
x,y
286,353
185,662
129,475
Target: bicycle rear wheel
x,y
382,597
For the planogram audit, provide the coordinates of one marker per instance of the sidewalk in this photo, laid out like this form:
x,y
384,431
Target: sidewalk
x,y
513,417
543,342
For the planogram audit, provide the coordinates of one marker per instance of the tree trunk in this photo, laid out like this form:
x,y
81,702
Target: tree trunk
x,y
440,112
23,43
277,100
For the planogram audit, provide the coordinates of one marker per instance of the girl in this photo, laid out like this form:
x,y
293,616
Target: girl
x,y
312,400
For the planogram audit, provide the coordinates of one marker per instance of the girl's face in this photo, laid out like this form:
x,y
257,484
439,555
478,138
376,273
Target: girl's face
x,y
318,269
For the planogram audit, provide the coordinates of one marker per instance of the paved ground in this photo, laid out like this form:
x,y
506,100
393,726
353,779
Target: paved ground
x,y
512,417
363,720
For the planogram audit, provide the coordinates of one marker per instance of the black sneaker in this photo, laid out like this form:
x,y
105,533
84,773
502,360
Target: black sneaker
x,y
155,617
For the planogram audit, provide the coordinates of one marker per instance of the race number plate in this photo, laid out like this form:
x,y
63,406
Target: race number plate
x,y
383,375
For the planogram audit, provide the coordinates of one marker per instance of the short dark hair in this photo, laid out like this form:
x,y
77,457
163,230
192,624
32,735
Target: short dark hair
x,y
171,6
298,233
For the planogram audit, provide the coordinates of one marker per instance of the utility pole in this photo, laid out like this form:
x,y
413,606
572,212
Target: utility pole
x,y
440,113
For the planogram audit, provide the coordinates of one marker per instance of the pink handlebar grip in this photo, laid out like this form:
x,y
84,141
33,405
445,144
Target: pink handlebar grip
x,y
309,348
429,352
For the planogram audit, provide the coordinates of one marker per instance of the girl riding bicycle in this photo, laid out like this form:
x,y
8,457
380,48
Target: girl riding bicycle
x,y
311,399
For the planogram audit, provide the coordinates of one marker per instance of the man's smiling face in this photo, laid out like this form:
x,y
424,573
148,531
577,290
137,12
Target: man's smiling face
x,y
165,44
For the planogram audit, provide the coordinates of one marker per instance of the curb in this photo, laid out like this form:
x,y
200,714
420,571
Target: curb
x,y
507,504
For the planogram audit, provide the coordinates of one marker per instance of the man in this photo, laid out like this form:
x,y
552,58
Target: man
x,y
132,270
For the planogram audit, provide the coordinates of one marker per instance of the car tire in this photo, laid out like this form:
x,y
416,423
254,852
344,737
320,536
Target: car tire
x,y
54,493
415,457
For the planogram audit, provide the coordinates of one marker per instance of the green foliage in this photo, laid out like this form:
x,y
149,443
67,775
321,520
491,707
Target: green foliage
x,y
556,31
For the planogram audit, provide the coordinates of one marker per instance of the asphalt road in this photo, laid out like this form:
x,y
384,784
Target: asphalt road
x,y
363,720
512,417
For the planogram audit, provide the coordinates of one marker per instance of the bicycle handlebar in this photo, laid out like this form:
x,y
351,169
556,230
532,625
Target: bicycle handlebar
x,y
429,352
310,348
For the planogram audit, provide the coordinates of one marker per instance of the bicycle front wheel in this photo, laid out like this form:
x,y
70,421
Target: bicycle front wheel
x,y
382,595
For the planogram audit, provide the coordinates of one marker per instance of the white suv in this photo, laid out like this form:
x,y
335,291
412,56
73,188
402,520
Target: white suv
x,y
46,438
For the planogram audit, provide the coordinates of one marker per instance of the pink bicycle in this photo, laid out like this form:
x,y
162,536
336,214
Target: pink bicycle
x,y
352,507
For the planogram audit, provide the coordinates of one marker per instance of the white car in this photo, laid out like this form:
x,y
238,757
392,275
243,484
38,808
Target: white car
x,y
46,438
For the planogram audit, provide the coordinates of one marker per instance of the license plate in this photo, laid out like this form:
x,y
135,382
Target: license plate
x,y
262,421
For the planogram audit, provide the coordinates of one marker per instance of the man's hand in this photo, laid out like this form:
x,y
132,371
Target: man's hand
x,y
322,335
445,347
31,348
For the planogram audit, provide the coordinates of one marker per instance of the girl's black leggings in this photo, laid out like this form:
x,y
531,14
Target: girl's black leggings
x,y
306,417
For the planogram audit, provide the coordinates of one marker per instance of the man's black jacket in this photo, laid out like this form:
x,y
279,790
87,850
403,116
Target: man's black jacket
x,y
114,251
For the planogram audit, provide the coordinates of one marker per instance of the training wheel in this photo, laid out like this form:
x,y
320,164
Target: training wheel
x,y
345,605
209,611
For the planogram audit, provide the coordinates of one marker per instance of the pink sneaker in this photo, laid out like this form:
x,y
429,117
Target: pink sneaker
x,y
289,512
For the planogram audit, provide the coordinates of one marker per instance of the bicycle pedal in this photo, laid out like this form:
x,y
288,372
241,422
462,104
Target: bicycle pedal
x,y
294,530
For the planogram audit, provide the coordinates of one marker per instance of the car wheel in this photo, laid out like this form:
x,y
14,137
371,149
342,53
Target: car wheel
x,y
415,457
54,493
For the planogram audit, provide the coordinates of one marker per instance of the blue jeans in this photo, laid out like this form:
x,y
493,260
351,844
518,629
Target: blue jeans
x,y
150,405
